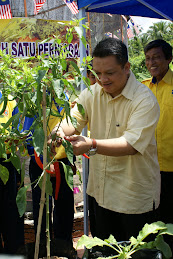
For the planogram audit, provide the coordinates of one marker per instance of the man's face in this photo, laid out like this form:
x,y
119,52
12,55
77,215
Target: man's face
x,y
156,63
112,77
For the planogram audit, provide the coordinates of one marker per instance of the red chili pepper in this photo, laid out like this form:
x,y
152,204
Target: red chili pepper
x,y
39,163
57,173
58,179
86,156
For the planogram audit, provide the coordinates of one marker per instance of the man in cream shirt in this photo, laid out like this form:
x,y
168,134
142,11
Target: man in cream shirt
x,y
124,176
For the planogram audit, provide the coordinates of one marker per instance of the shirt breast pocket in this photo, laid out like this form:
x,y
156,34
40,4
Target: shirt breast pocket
x,y
168,97
120,130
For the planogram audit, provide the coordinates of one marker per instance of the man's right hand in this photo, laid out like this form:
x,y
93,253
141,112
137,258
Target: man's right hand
x,y
55,139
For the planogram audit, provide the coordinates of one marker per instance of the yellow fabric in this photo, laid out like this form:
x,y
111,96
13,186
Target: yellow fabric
x,y
8,112
60,151
126,184
164,131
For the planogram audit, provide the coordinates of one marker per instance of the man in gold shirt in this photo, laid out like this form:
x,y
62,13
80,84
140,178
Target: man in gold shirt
x,y
158,54
124,176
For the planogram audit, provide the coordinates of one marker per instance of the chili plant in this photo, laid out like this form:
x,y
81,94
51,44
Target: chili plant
x,y
121,251
36,83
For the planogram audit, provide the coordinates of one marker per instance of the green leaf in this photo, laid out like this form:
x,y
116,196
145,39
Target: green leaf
x,y
90,242
21,200
41,74
70,38
79,175
58,86
81,109
111,240
67,108
74,122
8,123
38,140
85,26
87,82
4,99
20,127
79,31
49,189
75,66
161,245
84,41
22,172
168,230
68,175
63,64
56,113
3,150
16,120
23,151
4,174
150,229
15,160
69,150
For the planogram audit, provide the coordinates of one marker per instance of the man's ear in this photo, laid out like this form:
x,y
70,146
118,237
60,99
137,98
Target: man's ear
x,y
170,59
127,67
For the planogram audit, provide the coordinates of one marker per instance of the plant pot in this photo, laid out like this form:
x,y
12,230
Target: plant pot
x,y
106,251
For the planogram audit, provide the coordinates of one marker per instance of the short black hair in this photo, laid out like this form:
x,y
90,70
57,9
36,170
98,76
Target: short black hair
x,y
112,47
166,47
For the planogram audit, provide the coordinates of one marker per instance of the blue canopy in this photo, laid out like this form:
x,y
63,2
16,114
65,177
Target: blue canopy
x,y
162,9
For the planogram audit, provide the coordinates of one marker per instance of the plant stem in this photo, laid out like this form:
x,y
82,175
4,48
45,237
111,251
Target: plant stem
x,y
44,165
47,225
42,202
43,190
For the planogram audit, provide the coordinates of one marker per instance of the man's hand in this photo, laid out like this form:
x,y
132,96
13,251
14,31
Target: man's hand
x,y
80,144
55,139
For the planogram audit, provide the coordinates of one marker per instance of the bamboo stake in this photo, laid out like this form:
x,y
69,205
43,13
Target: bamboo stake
x,y
25,8
47,226
43,190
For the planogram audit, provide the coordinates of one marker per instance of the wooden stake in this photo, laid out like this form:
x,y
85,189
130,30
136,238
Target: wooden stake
x,y
25,8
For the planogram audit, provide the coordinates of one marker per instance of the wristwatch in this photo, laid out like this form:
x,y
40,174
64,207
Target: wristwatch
x,y
93,149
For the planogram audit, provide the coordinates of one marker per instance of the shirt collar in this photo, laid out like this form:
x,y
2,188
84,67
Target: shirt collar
x,y
130,87
168,78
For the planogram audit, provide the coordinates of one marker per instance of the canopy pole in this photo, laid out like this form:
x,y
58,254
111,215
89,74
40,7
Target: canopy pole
x,y
84,131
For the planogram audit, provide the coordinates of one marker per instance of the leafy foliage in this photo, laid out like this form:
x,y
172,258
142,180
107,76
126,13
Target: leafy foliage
x,y
125,251
25,80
